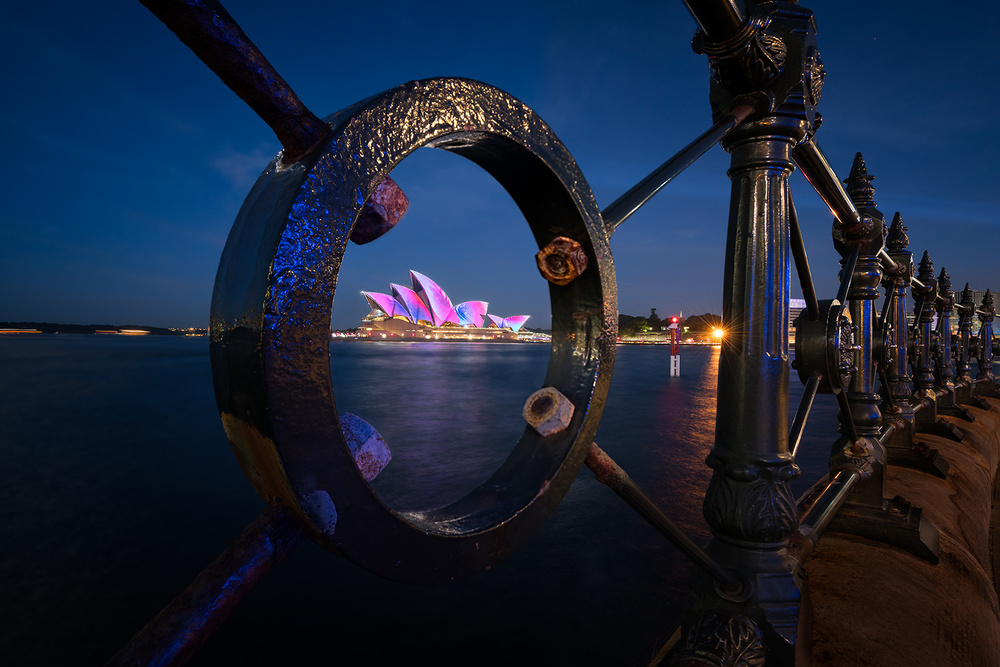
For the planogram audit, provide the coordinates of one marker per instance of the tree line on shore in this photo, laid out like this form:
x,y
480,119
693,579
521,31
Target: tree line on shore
x,y
630,325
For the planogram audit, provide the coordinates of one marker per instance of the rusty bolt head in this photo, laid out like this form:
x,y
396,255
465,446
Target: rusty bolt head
x,y
561,261
548,411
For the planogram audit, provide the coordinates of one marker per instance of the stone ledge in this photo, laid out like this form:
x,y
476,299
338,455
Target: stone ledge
x,y
874,604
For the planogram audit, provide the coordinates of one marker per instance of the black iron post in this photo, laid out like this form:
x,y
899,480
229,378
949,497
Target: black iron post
x,y
985,381
944,362
897,338
868,238
749,504
963,350
861,447
923,340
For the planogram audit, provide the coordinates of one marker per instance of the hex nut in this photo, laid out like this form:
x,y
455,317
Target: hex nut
x,y
548,411
561,261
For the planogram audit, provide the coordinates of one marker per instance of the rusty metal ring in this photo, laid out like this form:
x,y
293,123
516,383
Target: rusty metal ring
x,y
271,317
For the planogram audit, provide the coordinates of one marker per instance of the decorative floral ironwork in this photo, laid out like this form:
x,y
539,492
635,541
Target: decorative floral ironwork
x,y
723,640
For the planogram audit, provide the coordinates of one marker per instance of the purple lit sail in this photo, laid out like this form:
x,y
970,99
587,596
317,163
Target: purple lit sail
x,y
433,297
385,303
471,313
414,306
513,322
427,302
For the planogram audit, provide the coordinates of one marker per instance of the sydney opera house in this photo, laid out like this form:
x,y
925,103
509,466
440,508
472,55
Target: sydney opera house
x,y
425,312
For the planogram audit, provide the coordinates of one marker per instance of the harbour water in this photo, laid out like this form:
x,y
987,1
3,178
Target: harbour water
x,y
118,486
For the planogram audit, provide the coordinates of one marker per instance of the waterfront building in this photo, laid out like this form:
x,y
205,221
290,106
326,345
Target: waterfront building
x,y
425,312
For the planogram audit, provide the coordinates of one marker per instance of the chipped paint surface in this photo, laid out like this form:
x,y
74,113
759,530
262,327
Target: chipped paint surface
x,y
548,411
369,449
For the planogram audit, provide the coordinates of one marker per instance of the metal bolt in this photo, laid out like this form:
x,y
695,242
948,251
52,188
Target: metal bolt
x,y
561,261
548,411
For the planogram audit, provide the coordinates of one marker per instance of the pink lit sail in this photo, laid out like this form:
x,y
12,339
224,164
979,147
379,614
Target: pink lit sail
x,y
428,303
433,297
471,313
514,322
414,306
385,303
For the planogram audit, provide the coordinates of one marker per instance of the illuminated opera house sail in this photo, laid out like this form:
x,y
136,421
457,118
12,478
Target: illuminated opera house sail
x,y
425,311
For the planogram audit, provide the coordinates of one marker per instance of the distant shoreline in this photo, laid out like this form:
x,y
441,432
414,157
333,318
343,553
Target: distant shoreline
x,y
28,328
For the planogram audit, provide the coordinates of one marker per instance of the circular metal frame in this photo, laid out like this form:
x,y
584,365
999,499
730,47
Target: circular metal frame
x,y
271,318
824,347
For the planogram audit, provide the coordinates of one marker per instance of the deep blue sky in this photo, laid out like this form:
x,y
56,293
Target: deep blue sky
x,y
128,160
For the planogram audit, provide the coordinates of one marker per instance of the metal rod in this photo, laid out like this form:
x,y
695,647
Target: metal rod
x,y
798,248
918,316
802,413
814,522
213,35
173,636
845,408
847,275
923,404
718,19
886,432
890,300
892,266
887,309
810,160
886,389
889,265
821,512
611,474
623,207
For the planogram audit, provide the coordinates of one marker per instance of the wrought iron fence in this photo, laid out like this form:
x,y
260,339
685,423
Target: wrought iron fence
x,y
892,373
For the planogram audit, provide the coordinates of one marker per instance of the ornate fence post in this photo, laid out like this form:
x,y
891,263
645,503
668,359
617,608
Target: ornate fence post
x,y
897,369
985,382
923,336
867,511
932,370
863,399
770,59
945,353
944,363
900,447
963,350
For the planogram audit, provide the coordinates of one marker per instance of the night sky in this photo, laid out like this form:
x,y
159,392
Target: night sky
x,y
128,159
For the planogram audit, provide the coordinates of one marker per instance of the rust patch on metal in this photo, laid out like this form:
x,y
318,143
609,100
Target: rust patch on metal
x,y
382,210
604,467
561,261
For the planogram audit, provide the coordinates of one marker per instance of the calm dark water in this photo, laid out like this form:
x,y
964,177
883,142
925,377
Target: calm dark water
x,y
118,486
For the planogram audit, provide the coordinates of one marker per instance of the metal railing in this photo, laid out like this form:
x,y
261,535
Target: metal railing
x,y
767,79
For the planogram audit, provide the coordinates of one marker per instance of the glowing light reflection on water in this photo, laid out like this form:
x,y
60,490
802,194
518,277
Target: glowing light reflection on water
x,y
450,412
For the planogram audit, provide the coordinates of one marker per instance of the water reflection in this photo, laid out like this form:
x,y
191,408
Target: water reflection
x,y
450,412
111,447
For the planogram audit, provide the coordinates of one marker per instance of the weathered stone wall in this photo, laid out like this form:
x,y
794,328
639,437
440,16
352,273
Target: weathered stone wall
x,y
874,604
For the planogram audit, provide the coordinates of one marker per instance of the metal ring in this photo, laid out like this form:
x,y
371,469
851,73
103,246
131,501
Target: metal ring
x,y
271,316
